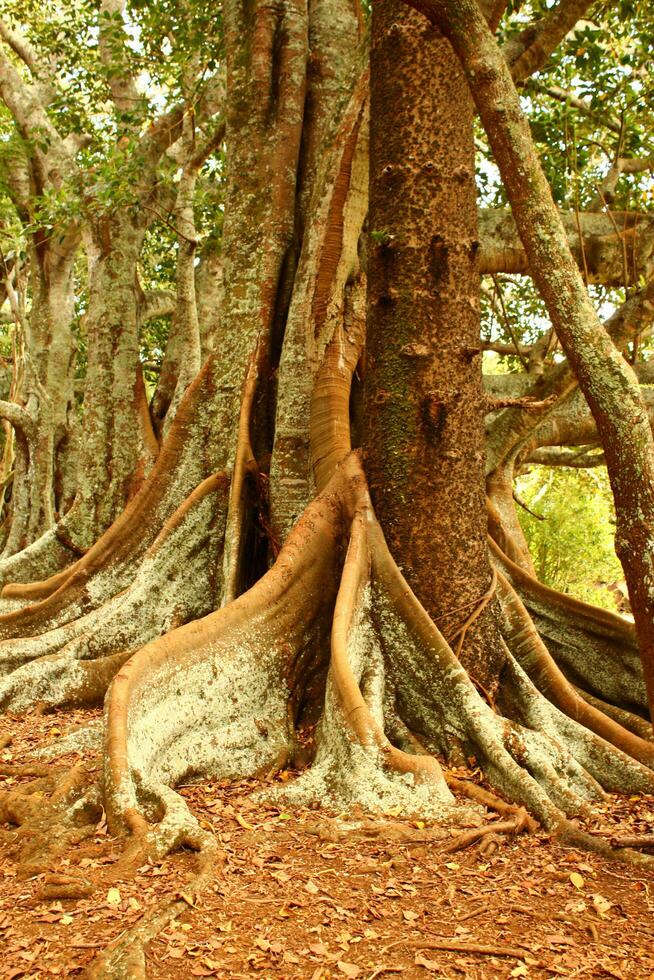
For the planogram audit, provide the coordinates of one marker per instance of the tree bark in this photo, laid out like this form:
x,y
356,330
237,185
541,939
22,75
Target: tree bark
x,y
118,445
608,383
47,392
424,402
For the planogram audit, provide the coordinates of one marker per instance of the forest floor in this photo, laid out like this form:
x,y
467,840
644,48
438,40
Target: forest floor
x,y
304,894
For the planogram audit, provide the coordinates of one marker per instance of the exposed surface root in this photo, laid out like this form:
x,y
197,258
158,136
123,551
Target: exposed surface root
x,y
190,702
231,721
48,555
626,719
125,957
222,696
355,762
595,649
535,756
176,581
108,566
57,808
84,739
534,657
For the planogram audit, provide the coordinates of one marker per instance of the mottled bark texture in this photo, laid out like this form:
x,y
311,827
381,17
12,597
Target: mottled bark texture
x,y
606,380
424,402
44,375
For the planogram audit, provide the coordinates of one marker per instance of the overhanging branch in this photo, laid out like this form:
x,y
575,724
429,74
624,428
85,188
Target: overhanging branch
x,y
615,246
529,51
18,418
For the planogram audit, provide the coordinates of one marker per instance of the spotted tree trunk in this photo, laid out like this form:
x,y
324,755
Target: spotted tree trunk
x,y
424,401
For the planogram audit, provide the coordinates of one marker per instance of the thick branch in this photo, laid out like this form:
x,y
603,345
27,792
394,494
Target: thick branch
x,y
156,303
29,112
18,417
614,246
529,51
113,54
21,47
576,459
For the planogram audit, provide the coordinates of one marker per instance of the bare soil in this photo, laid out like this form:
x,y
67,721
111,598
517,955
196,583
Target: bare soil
x,y
302,893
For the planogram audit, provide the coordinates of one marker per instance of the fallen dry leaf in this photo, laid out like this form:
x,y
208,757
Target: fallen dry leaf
x,y
349,969
421,960
113,897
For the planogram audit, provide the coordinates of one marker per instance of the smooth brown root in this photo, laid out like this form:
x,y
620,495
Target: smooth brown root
x,y
644,841
466,787
476,834
58,886
596,649
626,719
533,656
355,762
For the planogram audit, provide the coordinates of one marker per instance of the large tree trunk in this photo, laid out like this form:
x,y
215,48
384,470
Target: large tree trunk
x,y
608,383
424,401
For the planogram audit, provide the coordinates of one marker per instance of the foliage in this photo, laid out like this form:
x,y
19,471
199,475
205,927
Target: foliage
x,y
572,543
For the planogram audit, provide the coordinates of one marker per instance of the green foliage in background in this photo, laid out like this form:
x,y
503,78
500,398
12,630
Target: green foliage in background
x,y
572,548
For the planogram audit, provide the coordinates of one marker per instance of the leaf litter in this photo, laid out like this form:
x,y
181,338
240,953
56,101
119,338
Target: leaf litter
x,y
304,894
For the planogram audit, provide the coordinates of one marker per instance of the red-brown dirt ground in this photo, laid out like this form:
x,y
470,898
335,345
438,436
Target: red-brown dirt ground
x,y
301,893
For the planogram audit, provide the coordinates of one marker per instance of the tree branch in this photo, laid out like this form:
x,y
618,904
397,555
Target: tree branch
x,y
113,54
29,112
157,302
18,417
529,51
583,458
21,47
606,190
493,11
604,249
561,95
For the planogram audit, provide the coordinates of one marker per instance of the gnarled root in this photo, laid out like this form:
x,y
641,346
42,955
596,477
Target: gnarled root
x,y
222,696
534,657
108,566
125,957
355,762
58,808
213,696
48,555
535,755
390,669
